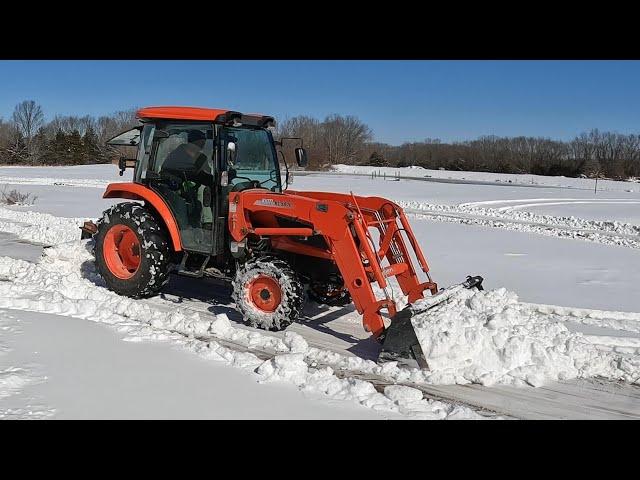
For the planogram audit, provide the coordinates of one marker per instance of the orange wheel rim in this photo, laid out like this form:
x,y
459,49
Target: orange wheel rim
x,y
121,250
265,293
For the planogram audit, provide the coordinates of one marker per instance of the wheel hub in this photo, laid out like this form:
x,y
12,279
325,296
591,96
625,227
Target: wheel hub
x,y
265,293
121,250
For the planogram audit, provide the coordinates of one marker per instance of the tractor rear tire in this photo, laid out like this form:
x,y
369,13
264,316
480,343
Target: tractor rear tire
x,y
132,251
268,293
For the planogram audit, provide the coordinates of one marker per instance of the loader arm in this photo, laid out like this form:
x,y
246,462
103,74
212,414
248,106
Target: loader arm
x,y
346,223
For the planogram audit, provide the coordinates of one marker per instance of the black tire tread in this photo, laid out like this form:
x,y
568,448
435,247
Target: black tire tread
x,y
147,281
289,311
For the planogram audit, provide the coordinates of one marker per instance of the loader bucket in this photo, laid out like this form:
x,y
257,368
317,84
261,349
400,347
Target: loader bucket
x,y
400,343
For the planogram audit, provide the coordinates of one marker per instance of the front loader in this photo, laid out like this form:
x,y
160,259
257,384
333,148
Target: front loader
x,y
208,201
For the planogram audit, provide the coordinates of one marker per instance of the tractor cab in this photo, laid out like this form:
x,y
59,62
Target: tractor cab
x,y
193,158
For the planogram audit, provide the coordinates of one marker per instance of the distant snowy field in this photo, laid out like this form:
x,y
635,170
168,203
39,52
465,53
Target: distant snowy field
x,y
502,178
551,240
613,200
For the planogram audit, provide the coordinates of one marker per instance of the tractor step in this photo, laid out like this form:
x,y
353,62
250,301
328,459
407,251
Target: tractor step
x,y
184,271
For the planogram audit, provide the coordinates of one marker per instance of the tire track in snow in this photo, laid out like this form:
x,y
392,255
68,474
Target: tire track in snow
x,y
519,201
63,182
604,232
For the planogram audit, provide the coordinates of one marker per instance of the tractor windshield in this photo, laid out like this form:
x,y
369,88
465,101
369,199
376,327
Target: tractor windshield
x,y
251,156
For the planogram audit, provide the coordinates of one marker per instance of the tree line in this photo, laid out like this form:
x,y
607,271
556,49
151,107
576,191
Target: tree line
x,y
27,139
347,140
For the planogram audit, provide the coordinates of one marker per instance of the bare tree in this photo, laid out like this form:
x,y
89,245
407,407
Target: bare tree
x,y
308,129
6,132
28,118
344,138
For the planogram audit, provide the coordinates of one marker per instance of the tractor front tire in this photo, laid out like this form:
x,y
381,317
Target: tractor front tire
x,y
268,293
132,251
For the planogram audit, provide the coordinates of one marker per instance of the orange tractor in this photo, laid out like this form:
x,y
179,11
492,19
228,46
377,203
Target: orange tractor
x,y
209,201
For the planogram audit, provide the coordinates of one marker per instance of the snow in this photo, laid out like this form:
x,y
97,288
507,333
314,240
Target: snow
x,y
508,178
50,175
38,227
540,269
606,232
530,239
92,374
489,337
65,283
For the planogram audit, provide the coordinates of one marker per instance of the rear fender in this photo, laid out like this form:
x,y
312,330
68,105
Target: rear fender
x,y
136,191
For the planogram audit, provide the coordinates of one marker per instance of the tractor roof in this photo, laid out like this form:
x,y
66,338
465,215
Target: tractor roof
x,y
204,114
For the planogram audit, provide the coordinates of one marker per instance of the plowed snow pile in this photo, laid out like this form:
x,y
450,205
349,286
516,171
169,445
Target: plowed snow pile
x,y
39,227
489,337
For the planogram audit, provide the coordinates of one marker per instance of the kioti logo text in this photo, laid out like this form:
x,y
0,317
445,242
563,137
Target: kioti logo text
x,y
269,202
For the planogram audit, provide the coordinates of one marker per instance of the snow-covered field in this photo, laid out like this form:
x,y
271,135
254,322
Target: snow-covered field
x,y
560,268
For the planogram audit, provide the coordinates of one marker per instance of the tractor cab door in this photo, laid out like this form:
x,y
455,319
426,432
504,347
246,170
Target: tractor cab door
x,y
181,170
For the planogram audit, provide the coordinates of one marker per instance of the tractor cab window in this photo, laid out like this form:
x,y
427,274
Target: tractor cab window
x,y
182,172
250,159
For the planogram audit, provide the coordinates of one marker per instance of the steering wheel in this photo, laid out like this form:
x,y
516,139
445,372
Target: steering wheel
x,y
245,185
272,177
245,178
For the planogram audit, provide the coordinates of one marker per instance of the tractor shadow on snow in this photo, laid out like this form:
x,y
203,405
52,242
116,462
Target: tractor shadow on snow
x,y
217,295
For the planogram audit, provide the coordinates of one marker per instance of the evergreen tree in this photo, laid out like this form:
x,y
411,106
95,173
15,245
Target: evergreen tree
x,y
377,160
57,152
75,149
17,152
39,147
91,151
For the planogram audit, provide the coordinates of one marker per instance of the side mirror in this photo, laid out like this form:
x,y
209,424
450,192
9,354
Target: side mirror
x,y
125,163
231,153
301,157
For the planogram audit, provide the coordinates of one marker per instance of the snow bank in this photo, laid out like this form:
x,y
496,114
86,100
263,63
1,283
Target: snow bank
x,y
489,337
38,227
402,399
65,282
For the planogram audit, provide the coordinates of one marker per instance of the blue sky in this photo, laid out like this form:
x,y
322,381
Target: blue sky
x,y
400,100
